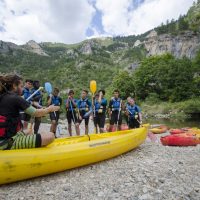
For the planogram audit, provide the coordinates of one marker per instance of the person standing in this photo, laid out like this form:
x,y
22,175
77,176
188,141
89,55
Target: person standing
x,y
54,99
71,105
133,112
37,103
26,93
115,107
100,104
84,109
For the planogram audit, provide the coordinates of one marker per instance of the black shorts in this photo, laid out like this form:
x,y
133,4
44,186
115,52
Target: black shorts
x,y
114,118
86,119
133,123
54,116
25,117
71,117
100,119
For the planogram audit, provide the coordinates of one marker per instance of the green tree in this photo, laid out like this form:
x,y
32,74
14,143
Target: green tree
x,y
182,24
170,78
193,17
122,81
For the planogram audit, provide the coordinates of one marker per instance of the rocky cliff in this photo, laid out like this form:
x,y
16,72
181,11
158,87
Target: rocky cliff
x,y
34,47
186,44
31,46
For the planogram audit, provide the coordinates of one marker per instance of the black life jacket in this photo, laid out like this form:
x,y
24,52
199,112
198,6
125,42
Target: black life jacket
x,y
9,125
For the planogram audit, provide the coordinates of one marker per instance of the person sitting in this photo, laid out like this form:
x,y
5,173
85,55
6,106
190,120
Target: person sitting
x,y
11,103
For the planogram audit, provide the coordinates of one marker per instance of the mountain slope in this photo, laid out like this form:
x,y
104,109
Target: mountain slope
x,y
74,65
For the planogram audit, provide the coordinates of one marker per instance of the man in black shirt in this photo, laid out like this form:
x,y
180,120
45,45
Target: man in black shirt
x,y
11,103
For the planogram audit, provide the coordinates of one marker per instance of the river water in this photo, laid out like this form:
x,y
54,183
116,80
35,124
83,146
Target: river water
x,y
175,123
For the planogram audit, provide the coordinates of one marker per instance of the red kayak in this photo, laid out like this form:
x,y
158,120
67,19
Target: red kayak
x,y
179,131
176,131
185,139
123,128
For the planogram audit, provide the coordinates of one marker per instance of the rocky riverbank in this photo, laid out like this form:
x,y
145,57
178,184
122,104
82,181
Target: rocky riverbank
x,y
151,171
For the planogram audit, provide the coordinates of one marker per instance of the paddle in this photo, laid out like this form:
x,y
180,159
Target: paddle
x,y
48,89
30,124
119,114
70,103
93,88
136,119
40,88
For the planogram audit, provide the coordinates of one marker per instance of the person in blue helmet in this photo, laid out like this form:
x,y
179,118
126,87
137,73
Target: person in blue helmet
x,y
71,105
26,93
84,109
100,104
54,99
115,107
133,112
37,103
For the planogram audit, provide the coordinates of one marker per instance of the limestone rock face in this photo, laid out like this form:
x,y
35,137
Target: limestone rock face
x,y
5,47
137,43
87,48
31,46
186,44
34,47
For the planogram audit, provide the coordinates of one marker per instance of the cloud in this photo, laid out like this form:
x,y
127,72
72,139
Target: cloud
x,y
46,20
71,21
119,17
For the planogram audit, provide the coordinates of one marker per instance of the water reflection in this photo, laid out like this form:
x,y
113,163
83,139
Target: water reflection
x,y
175,123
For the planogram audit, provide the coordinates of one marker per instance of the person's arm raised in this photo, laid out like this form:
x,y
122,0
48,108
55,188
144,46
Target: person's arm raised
x,y
41,112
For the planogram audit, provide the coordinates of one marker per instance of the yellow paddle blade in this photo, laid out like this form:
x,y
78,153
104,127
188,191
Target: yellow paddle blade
x,y
93,86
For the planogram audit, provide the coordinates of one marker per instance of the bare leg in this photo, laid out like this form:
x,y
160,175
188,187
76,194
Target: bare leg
x,y
70,129
102,130
110,128
77,129
47,138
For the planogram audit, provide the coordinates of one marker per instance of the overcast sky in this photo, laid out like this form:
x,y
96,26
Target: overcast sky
x,y
71,21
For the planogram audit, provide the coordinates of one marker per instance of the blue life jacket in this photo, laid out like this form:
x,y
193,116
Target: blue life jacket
x,y
84,105
132,110
116,104
71,106
55,101
101,105
26,93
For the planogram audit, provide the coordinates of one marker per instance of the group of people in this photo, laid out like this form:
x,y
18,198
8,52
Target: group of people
x,y
81,109
17,104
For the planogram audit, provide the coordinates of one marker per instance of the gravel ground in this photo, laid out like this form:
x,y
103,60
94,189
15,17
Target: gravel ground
x,y
151,171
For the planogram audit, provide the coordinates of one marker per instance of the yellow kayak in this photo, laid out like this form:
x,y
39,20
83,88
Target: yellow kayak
x,y
67,153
